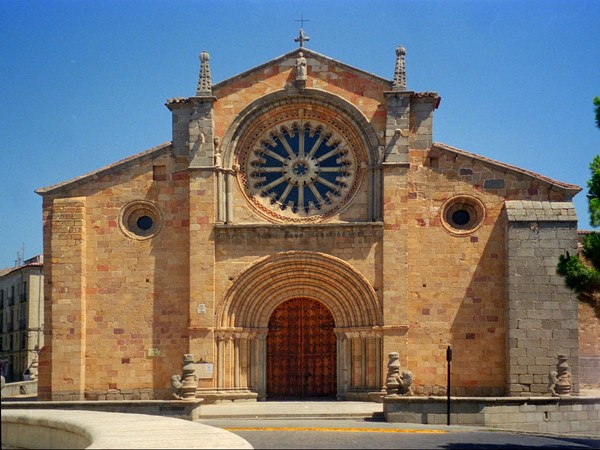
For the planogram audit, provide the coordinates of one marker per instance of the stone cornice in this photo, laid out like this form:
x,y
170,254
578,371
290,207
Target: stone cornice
x,y
276,230
182,102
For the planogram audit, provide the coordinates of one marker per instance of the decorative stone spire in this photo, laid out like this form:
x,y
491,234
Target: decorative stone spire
x,y
399,83
204,85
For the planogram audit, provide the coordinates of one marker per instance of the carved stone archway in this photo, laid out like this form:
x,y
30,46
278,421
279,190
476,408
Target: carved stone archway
x,y
254,295
258,290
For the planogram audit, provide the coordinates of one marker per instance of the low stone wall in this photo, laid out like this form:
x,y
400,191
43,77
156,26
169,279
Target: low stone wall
x,y
167,408
21,430
575,415
27,388
55,428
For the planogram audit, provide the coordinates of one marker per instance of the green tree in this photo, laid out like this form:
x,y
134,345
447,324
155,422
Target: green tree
x,y
582,275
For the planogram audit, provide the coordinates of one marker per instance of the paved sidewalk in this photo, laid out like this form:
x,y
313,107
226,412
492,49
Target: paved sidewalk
x,y
274,410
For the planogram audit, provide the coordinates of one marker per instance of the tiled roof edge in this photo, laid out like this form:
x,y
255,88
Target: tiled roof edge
x,y
9,270
119,165
572,189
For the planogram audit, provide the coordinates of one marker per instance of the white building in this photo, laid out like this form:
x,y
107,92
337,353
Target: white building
x,y
22,317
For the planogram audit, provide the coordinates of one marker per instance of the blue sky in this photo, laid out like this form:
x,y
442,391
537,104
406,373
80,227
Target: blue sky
x,y
83,83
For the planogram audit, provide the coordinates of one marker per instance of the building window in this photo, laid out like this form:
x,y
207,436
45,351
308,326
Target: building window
x,y
159,173
462,214
140,219
300,170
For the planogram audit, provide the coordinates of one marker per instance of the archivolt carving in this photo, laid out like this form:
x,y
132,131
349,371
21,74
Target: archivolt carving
x,y
342,115
258,290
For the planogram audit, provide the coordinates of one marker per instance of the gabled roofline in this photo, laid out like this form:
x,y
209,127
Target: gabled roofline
x,y
307,53
111,168
9,270
571,189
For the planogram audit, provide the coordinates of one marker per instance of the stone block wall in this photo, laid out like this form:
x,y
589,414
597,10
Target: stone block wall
x,y
457,281
238,92
589,347
564,415
116,304
542,313
456,292
62,360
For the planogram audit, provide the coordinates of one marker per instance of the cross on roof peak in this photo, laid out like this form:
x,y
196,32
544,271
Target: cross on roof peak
x,y
302,20
302,38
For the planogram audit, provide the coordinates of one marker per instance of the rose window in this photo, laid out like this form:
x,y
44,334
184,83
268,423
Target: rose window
x,y
300,171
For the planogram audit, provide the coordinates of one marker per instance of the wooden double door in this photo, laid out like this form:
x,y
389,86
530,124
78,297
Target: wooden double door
x,y
301,351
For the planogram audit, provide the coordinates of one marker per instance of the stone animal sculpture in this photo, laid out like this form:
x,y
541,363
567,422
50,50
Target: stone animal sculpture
x,y
184,385
398,382
176,385
405,380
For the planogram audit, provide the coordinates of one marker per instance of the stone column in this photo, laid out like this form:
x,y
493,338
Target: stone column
x,y
378,381
220,360
254,363
221,217
229,175
363,361
236,362
375,189
349,376
342,364
261,384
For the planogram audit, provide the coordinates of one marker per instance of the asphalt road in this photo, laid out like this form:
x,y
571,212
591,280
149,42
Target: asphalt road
x,y
361,434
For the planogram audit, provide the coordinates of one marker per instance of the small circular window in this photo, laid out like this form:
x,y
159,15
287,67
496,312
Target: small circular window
x,y
462,214
140,219
145,223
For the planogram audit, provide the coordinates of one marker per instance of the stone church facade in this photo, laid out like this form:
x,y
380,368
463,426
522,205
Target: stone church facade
x,y
301,225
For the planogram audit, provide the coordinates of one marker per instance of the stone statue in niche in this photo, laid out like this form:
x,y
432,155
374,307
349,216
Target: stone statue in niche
x,y
398,382
184,386
217,152
301,70
560,379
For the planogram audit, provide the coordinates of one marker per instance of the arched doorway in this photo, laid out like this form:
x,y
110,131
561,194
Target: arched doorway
x,y
301,351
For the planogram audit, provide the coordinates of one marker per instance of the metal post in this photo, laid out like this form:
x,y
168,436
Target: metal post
x,y
449,360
